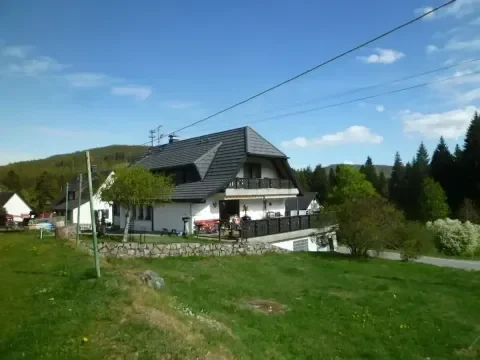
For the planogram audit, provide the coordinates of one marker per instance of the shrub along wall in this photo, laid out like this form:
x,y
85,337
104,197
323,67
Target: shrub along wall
x,y
133,249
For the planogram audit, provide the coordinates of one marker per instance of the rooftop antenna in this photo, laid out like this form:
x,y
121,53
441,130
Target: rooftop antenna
x,y
152,136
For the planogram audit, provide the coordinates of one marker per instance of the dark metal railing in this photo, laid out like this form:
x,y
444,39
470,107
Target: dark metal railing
x,y
285,224
244,183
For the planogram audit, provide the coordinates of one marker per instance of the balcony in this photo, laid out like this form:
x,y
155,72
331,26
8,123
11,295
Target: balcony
x,y
243,183
261,187
287,224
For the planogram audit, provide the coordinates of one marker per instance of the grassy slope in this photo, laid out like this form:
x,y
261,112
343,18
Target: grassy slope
x,y
338,308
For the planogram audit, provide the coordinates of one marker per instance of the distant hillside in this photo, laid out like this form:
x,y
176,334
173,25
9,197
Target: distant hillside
x,y
45,178
387,169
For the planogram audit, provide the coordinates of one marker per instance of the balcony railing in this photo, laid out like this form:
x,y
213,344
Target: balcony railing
x,y
244,183
286,224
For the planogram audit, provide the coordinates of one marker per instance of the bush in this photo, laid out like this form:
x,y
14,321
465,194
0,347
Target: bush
x,y
454,238
368,223
414,239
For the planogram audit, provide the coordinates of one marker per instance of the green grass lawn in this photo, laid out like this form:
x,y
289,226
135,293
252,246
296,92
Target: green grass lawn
x,y
329,307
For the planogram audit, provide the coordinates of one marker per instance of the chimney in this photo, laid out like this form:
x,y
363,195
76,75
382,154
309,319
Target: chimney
x,y
172,138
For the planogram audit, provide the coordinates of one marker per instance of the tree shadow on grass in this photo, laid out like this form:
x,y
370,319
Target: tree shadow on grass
x,y
338,256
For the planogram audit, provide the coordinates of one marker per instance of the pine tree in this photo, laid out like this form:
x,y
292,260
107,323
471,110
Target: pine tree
x,y
471,160
332,178
12,181
319,182
396,182
414,183
442,170
304,178
370,172
382,184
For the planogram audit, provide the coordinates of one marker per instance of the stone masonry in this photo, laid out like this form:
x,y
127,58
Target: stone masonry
x,y
150,250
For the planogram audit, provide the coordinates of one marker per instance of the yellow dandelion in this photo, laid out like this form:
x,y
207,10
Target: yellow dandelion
x,y
85,340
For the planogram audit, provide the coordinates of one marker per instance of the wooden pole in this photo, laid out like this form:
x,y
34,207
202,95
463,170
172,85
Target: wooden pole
x,y
78,207
92,215
66,205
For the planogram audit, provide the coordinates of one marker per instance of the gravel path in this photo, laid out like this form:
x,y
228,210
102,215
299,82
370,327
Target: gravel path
x,y
458,264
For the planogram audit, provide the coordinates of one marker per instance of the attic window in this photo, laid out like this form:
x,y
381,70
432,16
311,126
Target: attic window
x,y
71,195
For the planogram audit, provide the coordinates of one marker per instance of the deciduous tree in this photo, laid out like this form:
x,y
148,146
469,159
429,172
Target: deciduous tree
x,y
433,203
136,186
350,184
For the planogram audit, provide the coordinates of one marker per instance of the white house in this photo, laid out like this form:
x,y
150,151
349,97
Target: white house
x,y
14,205
217,176
99,179
302,205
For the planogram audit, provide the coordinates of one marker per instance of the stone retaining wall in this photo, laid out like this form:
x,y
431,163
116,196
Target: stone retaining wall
x,y
138,250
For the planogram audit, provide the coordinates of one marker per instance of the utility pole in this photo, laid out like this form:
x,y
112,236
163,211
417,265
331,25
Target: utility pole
x,y
78,207
66,205
92,215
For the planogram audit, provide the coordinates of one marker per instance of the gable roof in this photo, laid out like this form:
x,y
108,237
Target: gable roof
x,y
74,185
5,196
303,201
217,157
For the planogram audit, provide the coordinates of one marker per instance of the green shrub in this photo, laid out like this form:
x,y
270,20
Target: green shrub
x,y
414,239
368,223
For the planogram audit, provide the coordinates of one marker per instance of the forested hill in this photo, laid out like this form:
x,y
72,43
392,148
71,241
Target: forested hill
x,y
386,169
40,181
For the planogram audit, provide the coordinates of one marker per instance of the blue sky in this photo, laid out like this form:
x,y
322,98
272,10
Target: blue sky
x,y
80,74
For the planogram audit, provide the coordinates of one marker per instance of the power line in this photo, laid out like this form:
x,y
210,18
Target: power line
x,y
365,98
369,87
317,66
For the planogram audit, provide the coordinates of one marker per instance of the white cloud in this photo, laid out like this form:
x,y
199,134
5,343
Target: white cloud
x,y
37,66
461,8
465,45
348,162
17,51
424,10
469,96
380,108
176,104
431,49
138,92
352,135
458,9
450,124
89,79
449,62
382,56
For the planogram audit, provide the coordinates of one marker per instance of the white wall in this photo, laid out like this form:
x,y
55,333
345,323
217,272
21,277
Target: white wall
x,y
98,204
256,209
170,216
314,205
16,206
268,170
206,211
312,245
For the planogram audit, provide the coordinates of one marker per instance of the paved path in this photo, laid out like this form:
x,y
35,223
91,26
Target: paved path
x,y
458,264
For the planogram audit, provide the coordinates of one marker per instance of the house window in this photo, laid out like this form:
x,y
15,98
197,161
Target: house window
x,y
252,171
116,209
300,245
149,215
140,213
106,213
71,195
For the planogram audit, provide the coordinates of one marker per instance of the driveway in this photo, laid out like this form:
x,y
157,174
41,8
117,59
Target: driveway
x,y
458,264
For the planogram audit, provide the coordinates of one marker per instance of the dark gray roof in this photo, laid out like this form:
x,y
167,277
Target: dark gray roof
x,y
257,145
303,201
5,196
217,157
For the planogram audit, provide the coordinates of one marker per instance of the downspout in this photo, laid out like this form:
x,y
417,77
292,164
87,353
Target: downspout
x,y
298,211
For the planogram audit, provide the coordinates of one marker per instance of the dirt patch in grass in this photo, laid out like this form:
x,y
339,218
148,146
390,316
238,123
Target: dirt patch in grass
x,y
471,353
267,306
